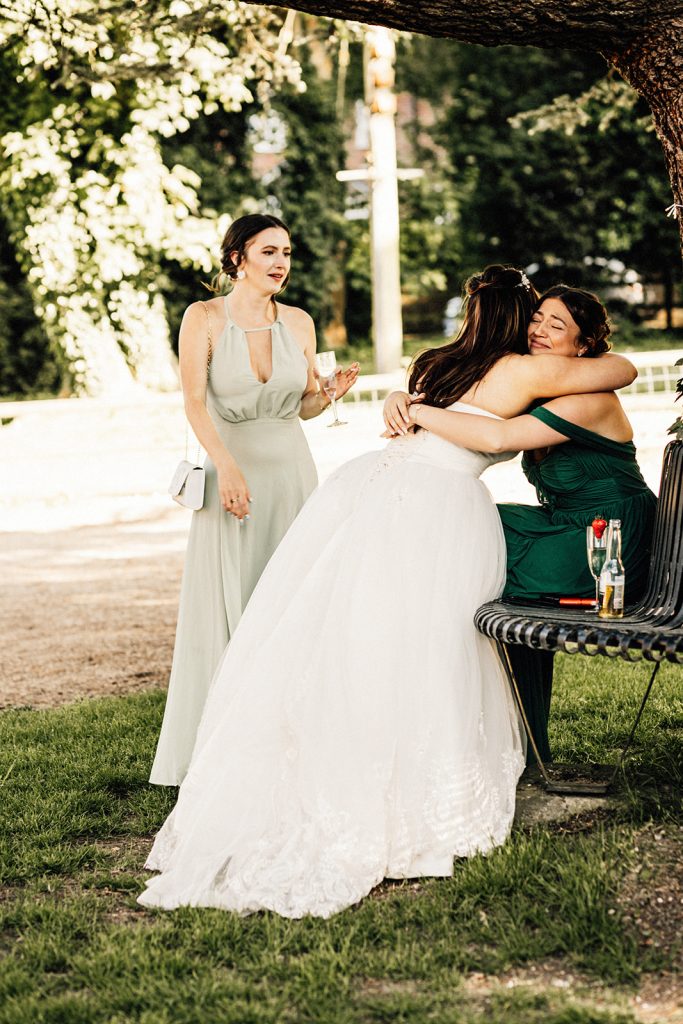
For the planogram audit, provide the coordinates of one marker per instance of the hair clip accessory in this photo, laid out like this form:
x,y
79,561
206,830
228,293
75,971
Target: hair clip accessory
x,y
524,281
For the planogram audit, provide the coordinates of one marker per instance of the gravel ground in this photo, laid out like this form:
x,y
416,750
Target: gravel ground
x,y
88,611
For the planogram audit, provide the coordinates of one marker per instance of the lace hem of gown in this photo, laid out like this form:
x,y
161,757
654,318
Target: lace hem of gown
x,y
325,864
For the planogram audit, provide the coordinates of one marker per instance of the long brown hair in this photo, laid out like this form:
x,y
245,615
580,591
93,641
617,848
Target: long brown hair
x,y
498,306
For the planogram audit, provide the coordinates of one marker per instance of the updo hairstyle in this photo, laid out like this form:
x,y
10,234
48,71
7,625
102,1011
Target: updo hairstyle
x,y
236,240
589,315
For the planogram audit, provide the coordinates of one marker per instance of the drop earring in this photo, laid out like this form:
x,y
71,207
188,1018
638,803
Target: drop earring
x,y
240,275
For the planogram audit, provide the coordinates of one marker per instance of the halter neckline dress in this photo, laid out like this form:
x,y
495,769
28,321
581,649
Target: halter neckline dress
x,y
259,424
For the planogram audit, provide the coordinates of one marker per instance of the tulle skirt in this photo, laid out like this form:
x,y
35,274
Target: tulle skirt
x,y
358,726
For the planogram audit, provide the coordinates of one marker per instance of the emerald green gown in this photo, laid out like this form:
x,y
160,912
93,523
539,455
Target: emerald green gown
x,y
587,477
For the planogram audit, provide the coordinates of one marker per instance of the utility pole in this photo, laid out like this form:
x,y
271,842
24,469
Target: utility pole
x,y
383,176
387,322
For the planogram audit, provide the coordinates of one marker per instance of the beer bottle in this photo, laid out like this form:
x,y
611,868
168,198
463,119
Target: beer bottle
x,y
612,575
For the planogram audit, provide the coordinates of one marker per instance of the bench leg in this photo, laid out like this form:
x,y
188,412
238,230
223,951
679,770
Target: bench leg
x,y
562,785
533,670
507,665
636,722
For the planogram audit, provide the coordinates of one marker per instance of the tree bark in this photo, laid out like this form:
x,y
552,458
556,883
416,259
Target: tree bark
x,y
550,24
653,66
642,39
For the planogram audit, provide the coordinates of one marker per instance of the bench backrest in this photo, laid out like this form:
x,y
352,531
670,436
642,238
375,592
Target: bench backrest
x,y
663,600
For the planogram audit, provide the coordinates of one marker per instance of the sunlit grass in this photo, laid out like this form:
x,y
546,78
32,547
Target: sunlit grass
x,y
77,817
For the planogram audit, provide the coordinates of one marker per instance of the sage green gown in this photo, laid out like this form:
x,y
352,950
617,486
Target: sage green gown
x,y
260,427
587,477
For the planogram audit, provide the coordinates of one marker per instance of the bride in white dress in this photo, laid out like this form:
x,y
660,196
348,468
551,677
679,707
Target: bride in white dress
x,y
358,727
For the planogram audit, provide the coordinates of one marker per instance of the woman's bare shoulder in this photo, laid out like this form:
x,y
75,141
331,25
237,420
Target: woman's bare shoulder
x,y
294,316
597,404
601,412
199,308
511,363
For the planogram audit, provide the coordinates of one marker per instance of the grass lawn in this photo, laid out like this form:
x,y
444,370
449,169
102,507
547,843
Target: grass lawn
x,y
587,900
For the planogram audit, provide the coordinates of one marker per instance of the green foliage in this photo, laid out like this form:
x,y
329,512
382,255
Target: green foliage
x,y
306,191
301,189
27,362
541,180
91,207
127,146
217,149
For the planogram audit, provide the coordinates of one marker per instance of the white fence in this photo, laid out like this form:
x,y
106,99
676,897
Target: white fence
x,y
656,371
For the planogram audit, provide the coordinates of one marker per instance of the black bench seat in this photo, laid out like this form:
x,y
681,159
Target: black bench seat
x,y
651,630
576,631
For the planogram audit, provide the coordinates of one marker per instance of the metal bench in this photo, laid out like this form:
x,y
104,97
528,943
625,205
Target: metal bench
x,y
651,630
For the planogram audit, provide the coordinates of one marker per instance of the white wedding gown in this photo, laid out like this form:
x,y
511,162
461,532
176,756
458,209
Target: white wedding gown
x,y
358,726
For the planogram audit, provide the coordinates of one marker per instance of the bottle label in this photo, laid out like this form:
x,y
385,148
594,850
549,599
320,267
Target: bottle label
x,y
611,596
618,599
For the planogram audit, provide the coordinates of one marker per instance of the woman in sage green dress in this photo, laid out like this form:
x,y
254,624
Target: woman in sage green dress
x,y
260,355
580,457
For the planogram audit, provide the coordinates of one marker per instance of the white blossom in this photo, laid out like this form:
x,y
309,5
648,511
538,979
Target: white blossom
x,y
91,214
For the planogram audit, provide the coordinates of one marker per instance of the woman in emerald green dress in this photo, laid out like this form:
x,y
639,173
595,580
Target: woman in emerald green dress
x,y
587,469
580,457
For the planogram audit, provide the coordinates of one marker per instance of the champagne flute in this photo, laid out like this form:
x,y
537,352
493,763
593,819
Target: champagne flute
x,y
596,549
326,364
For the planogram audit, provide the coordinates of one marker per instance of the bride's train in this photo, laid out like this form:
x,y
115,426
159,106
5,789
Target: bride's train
x,y
358,727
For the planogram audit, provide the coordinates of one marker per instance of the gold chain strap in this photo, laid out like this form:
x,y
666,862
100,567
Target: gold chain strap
x,y
208,368
208,328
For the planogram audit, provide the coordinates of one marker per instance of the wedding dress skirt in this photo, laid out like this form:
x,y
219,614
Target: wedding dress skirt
x,y
358,727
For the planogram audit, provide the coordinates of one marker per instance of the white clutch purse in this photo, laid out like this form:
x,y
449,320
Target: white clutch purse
x,y
187,485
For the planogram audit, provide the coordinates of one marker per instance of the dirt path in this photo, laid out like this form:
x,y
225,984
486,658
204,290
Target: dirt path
x,y
89,611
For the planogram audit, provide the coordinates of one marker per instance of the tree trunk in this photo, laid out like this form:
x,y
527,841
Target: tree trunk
x,y
641,39
667,278
654,68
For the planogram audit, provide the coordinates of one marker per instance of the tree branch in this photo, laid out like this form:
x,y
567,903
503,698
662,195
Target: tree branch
x,y
587,25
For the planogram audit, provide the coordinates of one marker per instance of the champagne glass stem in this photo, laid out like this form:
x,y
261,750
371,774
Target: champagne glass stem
x,y
334,410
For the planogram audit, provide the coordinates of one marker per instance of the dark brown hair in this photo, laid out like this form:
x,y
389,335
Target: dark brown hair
x,y
589,315
499,304
236,239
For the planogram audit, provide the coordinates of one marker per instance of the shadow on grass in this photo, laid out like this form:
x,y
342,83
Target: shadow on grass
x,y
77,817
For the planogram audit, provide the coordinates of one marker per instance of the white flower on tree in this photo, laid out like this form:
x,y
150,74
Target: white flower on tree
x,y
92,215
